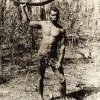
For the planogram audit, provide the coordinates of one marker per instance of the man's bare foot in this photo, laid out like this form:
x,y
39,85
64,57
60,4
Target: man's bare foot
x,y
41,97
51,97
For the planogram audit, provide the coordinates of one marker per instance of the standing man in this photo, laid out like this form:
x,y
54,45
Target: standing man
x,y
53,33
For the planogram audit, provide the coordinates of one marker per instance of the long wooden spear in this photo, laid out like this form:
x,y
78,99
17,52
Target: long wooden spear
x,y
32,3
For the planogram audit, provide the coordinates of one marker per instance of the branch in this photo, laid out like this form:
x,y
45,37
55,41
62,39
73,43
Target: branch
x,y
34,4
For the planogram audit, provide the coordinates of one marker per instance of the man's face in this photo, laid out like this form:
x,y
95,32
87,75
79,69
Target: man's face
x,y
53,16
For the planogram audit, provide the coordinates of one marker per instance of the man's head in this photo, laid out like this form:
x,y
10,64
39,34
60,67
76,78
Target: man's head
x,y
54,14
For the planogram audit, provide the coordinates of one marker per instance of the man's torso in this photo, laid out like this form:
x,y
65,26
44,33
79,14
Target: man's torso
x,y
51,36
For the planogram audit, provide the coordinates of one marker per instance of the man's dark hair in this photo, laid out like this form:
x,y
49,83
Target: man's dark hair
x,y
54,9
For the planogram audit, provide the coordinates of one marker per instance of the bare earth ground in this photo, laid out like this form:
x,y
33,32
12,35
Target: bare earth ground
x,y
82,81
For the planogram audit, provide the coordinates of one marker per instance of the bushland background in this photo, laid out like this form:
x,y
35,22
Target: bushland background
x,y
19,45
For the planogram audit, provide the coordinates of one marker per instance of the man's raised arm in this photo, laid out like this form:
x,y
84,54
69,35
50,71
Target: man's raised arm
x,y
35,24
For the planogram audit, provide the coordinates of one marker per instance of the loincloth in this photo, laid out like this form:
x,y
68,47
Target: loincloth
x,y
45,60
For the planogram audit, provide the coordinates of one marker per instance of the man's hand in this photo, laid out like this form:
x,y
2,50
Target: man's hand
x,y
58,65
24,5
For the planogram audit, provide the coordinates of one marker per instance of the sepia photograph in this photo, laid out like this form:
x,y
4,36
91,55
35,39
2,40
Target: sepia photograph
x,y
49,49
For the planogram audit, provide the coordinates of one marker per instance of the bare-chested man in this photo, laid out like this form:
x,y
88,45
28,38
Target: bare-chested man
x,y
53,33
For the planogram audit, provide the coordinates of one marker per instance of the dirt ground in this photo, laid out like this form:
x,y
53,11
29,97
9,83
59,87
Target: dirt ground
x,y
82,81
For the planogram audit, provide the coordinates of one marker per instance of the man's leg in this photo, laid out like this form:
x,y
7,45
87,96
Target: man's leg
x,y
60,75
41,71
62,80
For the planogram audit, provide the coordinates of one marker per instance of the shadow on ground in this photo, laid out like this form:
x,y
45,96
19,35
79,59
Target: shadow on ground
x,y
81,94
79,60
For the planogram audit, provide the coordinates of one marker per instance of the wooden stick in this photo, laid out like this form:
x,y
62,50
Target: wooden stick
x,y
34,4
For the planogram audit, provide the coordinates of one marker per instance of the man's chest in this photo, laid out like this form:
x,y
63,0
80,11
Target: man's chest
x,y
51,30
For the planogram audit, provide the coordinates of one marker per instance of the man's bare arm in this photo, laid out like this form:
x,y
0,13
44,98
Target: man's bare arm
x,y
25,12
35,24
62,51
